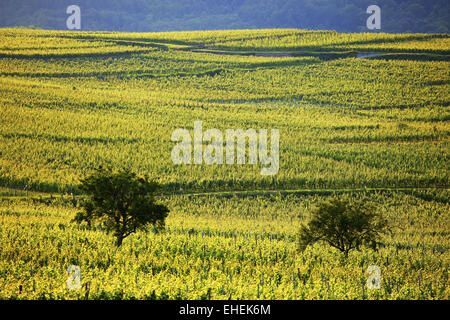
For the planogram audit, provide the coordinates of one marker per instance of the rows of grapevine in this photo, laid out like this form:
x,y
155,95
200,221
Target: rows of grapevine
x,y
219,249
70,101
63,116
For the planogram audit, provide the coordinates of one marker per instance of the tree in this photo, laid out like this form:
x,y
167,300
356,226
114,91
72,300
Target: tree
x,y
343,225
121,201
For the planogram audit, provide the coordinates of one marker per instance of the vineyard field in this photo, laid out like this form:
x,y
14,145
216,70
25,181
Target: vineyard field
x,y
375,128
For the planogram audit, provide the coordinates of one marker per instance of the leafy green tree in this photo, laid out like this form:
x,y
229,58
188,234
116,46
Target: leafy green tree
x,y
121,202
343,225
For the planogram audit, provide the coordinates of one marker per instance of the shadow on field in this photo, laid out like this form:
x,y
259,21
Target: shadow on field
x,y
82,140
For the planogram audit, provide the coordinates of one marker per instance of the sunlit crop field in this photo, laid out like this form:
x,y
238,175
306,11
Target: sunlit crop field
x,y
375,128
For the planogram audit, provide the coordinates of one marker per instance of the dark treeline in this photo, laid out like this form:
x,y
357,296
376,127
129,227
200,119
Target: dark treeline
x,y
174,15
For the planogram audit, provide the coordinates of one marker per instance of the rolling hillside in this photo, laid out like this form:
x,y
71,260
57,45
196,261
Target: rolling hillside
x,y
359,115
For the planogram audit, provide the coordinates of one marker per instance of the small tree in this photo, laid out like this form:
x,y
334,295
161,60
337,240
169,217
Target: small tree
x,y
344,225
121,202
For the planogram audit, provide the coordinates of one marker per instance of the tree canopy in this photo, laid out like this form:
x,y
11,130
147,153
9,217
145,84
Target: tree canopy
x,y
344,225
120,201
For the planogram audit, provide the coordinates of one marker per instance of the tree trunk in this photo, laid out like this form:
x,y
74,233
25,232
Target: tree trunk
x,y
346,254
119,241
